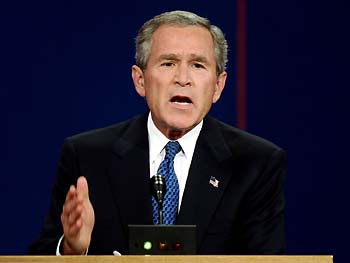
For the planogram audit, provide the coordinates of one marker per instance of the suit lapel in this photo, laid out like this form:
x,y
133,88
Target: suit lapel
x,y
200,197
129,174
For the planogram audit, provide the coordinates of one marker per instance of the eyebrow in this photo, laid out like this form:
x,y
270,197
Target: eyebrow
x,y
175,57
168,57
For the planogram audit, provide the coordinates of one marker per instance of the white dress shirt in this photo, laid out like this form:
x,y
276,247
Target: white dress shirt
x,y
182,161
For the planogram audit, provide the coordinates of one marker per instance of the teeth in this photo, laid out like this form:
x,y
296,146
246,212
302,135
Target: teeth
x,y
181,103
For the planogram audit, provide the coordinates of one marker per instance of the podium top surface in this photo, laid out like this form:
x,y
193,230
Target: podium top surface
x,y
167,259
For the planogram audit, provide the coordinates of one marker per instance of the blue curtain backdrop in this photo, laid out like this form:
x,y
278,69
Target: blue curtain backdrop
x,y
66,69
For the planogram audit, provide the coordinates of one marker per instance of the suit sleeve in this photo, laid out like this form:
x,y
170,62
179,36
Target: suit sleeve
x,y
67,174
262,215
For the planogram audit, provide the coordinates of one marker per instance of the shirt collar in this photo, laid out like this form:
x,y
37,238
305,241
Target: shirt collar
x,y
158,140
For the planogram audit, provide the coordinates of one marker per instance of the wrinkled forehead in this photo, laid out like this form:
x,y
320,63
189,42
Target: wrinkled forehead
x,y
185,40
171,29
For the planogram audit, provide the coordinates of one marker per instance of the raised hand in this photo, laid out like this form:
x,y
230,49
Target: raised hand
x,y
78,219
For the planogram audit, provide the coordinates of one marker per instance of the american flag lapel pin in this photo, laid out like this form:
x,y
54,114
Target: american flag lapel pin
x,y
214,182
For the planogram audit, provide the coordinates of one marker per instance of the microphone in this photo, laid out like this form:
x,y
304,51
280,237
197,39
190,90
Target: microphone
x,y
158,190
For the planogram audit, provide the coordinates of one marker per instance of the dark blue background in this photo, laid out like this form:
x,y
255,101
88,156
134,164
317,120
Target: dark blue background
x,y
66,69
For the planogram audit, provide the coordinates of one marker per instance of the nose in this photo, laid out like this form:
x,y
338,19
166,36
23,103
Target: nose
x,y
183,75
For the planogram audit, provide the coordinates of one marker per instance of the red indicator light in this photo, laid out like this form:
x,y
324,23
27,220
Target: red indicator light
x,y
163,245
177,246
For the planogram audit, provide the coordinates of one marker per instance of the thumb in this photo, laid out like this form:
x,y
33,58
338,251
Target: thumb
x,y
82,187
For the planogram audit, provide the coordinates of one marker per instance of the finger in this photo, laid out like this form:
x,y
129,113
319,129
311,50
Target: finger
x,y
74,229
71,192
75,215
70,205
72,209
82,188
72,223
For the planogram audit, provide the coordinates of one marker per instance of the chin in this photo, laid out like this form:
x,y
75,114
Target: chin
x,y
182,124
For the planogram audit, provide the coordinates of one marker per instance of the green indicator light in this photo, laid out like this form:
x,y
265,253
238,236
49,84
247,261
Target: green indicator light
x,y
147,245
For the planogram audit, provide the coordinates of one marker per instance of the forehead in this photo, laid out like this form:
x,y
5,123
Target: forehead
x,y
183,41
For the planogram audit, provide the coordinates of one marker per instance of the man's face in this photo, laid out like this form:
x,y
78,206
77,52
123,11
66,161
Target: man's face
x,y
180,81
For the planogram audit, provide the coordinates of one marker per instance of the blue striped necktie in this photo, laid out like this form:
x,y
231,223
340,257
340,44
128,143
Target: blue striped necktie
x,y
171,198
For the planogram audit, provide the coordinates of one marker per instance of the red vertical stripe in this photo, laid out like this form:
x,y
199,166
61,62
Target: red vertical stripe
x,y
241,98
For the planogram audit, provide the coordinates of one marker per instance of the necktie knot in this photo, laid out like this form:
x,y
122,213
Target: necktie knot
x,y
171,149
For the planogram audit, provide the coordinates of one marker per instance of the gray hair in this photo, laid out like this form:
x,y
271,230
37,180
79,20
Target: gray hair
x,y
179,18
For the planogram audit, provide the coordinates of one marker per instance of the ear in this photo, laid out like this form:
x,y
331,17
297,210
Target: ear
x,y
138,78
219,86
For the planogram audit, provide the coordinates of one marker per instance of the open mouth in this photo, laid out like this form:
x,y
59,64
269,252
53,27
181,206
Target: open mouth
x,y
181,100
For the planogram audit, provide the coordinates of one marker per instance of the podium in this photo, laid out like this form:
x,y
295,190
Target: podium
x,y
166,259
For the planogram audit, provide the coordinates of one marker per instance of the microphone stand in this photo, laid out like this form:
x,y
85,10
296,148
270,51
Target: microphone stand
x,y
160,212
158,190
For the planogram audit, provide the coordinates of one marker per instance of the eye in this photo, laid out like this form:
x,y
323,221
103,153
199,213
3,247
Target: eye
x,y
167,64
198,65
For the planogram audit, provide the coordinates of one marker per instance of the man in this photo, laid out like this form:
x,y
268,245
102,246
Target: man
x,y
230,183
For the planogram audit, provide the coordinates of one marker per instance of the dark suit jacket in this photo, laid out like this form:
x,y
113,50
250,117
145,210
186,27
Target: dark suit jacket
x,y
243,215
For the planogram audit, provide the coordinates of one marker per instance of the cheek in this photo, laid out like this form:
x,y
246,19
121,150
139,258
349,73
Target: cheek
x,y
208,93
155,97
157,89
